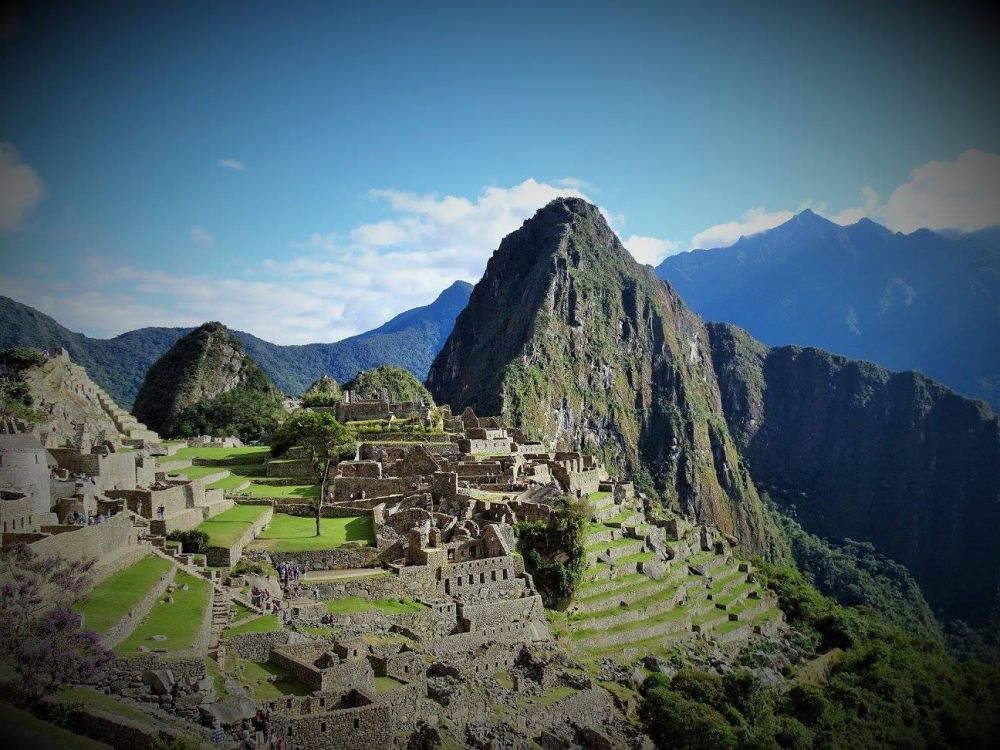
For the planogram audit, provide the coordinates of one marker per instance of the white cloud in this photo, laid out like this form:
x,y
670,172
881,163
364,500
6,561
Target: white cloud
x,y
650,250
755,220
20,187
202,237
234,164
331,286
963,194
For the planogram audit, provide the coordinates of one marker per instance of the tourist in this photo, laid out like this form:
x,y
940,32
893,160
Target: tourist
x,y
282,570
249,743
315,593
159,512
218,733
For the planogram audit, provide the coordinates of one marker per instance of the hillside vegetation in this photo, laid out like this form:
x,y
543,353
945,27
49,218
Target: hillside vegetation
x,y
207,385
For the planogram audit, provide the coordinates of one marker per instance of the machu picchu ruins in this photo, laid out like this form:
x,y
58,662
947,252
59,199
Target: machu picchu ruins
x,y
412,614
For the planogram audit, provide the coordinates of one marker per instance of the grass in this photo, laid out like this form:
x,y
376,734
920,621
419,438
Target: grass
x,y
552,695
352,604
179,621
225,529
112,599
287,533
196,472
263,489
618,519
248,452
385,684
503,677
22,729
262,624
258,677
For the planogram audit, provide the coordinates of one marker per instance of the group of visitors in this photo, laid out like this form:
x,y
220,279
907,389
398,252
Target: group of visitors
x,y
77,518
284,616
289,572
255,734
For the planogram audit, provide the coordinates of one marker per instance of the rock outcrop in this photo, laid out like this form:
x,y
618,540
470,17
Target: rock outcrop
x,y
570,338
859,452
199,368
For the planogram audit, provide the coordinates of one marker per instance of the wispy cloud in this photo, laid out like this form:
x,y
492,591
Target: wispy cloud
x,y
963,194
20,187
752,222
202,237
650,250
234,164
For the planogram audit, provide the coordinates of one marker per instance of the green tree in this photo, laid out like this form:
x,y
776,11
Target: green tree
x,y
15,395
321,436
553,551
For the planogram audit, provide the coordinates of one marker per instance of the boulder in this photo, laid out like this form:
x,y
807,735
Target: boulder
x,y
230,711
160,680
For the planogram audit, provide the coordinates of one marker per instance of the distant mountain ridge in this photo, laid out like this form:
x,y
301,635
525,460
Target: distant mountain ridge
x,y
925,301
119,365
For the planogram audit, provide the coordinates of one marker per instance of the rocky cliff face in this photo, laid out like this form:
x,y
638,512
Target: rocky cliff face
x,y
201,366
862,453
567,336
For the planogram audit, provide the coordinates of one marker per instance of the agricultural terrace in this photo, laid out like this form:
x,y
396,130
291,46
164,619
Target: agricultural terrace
x,y
287,533
225,529
116,595
179,622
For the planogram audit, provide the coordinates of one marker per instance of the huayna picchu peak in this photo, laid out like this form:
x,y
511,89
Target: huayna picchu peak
x,y
207,384
569,337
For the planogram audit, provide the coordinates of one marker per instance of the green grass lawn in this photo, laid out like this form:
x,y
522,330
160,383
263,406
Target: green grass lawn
x,y
196,472
385,684
179,621
288,533
250,452
349,605
111,599
226,528
258,677
263,489
22,729
262,624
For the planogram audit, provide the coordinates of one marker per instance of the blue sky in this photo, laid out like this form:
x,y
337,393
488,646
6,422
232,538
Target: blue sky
x,y
304,172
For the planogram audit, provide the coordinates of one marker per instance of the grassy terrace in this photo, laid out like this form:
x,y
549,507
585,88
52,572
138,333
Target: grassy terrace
x,y
179,621
664,594
619,518
674,614
614,544
252,454
288,533
352,604
263,489
111,599
196,472
225,529
593,496
23,729
262,624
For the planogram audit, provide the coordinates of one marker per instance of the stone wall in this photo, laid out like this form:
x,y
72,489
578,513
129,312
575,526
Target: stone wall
x,y
100,542
257,646
349,488
366,723
19,515
480,617
350,555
